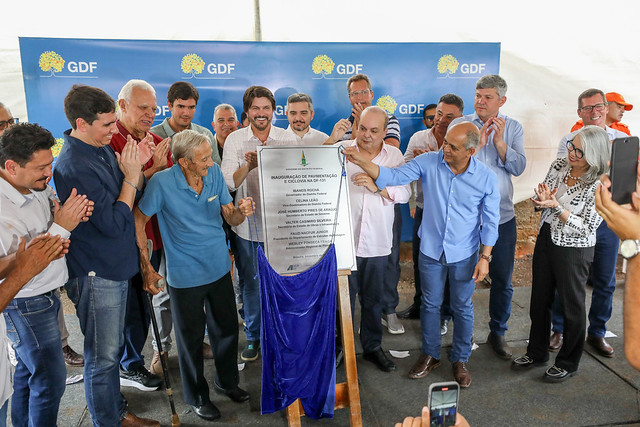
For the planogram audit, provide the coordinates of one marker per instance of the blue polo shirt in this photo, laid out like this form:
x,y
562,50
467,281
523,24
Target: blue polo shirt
x,y
190,224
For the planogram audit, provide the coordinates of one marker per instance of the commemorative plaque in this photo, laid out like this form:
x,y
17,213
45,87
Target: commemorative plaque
x,y
305,206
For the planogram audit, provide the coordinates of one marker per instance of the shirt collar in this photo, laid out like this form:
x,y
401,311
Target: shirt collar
x,y
16,197
477,119
182,181
80,145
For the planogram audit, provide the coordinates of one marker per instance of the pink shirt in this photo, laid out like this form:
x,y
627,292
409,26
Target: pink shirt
x,y
372,214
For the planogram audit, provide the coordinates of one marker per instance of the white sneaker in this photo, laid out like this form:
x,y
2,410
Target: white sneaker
x,y
392,323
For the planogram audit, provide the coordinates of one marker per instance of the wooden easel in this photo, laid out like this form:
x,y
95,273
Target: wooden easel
x,y
347,394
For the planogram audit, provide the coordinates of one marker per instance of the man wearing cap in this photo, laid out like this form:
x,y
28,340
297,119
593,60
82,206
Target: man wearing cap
x,y
617,107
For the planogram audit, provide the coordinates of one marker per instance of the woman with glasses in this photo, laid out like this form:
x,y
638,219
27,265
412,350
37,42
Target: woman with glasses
x,y
564,251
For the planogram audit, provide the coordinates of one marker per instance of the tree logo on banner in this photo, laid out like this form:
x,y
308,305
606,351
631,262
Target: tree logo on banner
x,y
57,147
448,65
51,61
322,65
193,64
387,103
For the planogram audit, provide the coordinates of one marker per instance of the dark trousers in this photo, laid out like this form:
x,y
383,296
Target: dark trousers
x,y
392,273
137,319
367,284
213,304
445,310
565,270
603,279
500,272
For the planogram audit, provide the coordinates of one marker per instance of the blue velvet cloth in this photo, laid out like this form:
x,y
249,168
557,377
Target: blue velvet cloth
x,y
298,337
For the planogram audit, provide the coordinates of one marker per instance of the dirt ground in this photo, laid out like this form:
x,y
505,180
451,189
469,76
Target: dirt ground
x,y
527,222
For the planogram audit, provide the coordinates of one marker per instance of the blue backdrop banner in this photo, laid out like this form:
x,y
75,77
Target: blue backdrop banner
x,y
405,76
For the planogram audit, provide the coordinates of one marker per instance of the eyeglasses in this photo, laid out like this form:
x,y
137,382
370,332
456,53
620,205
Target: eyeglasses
x,y
6,123
597,107
430,117
364,92
577,152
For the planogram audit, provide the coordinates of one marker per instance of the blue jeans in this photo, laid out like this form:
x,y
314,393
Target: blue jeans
x,y
39,380
500,272
246,263
433,274
100,307
603,279
3,414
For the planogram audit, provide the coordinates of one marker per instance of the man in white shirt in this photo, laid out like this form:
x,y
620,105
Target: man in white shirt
x,y
299,111
239,167
28,208
372,212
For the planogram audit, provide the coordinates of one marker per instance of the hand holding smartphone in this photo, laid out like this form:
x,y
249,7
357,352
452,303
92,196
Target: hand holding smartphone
x,y
624,168
443,403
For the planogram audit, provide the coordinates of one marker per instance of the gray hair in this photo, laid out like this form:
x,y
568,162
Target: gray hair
x,y
184,144
227,107
127,89
595,144
299,97
589,93
376,109
493,81
357,78
473,139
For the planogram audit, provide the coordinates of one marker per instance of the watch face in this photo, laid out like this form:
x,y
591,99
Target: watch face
x,y
629,248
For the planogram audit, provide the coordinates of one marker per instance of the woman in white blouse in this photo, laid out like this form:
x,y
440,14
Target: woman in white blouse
x,y
564,251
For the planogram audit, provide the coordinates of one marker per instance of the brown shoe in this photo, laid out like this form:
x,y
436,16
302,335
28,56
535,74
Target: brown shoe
x,y
461,374
207,352
72,358
600,345
555,343
423,366
156,364
131,420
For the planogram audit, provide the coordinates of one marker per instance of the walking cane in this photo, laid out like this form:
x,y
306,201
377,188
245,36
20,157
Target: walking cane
x,y
175,420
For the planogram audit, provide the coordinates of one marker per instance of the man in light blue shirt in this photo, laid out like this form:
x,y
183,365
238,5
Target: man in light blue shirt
x,y
462,194
501,148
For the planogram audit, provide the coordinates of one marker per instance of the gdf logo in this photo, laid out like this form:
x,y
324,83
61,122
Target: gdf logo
x,y
54,63
323,65
411,109
449,64
387,103
194,64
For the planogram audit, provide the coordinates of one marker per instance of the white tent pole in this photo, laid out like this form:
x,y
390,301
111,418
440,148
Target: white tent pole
x,y
256,21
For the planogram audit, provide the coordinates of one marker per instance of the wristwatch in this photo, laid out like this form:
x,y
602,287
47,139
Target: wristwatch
x,y
630,248
487,257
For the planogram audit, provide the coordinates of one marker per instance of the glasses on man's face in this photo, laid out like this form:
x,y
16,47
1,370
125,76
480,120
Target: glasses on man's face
x,y
576,151
430,117
6,123
357,93
590,108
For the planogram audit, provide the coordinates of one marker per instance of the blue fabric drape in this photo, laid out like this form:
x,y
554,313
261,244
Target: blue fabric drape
x,y
298,337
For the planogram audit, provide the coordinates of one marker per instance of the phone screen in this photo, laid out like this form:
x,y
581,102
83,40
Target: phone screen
x,y
443,405
624,168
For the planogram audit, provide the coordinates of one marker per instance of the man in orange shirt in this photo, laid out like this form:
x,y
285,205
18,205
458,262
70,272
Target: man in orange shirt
x,y
617,107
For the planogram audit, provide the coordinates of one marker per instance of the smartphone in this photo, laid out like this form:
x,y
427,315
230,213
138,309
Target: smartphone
x,y
624,168
443,403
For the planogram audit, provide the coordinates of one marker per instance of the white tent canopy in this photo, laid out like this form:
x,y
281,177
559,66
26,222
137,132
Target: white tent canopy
x,y
551,51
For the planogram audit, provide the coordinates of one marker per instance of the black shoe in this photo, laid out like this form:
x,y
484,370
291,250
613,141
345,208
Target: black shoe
x,y
556,375
525,362
140,378
339,357
411,312
380,360
207,411
236,394
251,351
499,346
